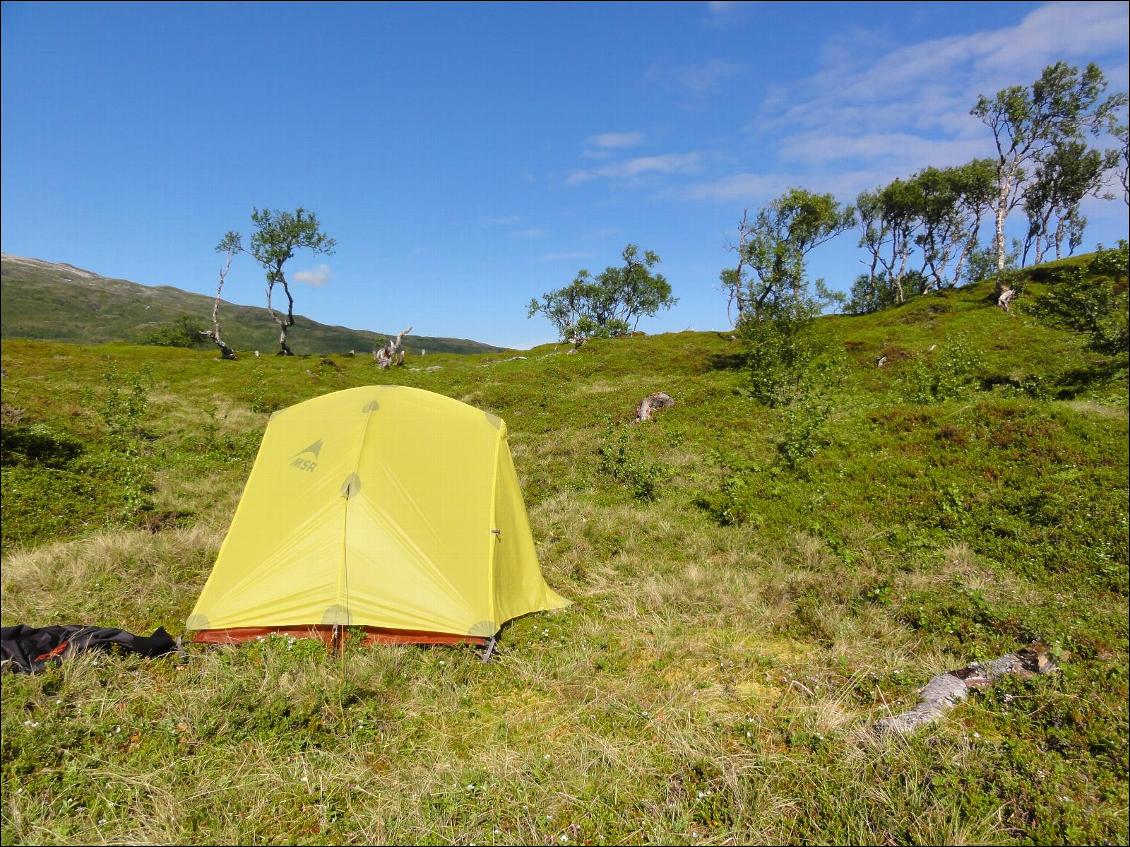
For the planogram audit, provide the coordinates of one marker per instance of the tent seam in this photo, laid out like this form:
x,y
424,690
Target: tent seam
x,y
494,540
343,580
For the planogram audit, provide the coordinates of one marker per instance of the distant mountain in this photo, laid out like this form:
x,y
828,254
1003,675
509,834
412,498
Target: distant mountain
x,y
60,302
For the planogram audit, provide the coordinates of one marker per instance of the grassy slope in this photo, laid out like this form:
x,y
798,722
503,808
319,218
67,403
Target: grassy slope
x,y
711,684
60,303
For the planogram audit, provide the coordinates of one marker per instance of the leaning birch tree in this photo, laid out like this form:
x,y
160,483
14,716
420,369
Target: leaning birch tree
x,y
229,246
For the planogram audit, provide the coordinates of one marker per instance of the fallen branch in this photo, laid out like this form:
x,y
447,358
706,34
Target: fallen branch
x,y
946,690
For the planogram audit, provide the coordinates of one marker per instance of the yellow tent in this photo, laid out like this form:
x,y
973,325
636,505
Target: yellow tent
x,y
384,507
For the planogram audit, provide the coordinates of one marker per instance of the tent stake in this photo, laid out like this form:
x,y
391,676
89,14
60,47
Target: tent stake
x,y
490,649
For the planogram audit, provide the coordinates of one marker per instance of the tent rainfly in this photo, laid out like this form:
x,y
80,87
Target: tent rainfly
x,y
387,508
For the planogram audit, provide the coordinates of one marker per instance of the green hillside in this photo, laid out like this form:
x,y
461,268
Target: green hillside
x,y
63,303
739,622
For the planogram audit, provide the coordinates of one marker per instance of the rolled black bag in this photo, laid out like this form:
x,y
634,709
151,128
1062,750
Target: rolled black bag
x,y
27,649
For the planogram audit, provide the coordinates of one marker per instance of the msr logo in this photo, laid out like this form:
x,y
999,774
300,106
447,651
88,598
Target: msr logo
x,y
307,460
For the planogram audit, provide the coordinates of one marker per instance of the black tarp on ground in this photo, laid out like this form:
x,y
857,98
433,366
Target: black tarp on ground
x,y
27,649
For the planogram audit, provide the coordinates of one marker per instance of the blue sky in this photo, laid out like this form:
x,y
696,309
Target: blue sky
x,y
469,157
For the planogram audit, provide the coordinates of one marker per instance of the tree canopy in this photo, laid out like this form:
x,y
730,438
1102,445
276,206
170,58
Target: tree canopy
x,y
276,237
609,304
1029,123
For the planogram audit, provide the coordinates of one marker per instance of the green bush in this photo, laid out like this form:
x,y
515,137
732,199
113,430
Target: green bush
x,y
182,332
1092,301
951,373
625,463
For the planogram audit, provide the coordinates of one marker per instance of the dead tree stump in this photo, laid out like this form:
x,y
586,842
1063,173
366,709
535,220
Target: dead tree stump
x,y
652,403
391,353
1005,297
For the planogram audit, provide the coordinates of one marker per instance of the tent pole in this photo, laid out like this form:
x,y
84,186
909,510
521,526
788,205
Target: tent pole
x,y
489,649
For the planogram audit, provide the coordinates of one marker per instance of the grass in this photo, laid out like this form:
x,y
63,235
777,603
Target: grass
x,y
737,628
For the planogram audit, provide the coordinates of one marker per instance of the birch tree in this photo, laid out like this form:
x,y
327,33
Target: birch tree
x,y
1028,122
901,204
611,303
952,204
778,303
229,246
1069,173
1121,159
277,236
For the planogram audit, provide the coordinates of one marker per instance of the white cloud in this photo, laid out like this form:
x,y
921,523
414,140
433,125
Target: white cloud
x,y
615,140
720,6
903,148
318,277
933,84
605,232
528,232
700,80
695,83
500,220
871,113
667,163
751,188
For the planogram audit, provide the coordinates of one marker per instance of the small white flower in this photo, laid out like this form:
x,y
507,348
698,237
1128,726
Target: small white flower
x,y
305,779
546,757
117,729
470,786
748,734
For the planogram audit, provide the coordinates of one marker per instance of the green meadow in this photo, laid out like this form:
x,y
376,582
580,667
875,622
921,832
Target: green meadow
x,y
753,588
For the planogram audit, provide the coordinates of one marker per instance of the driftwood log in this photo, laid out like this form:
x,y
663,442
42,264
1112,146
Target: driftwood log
x,y
652,403
946,690
391,353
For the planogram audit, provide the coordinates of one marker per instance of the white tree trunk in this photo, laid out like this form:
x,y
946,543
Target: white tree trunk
x,y
214,334
1002,213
